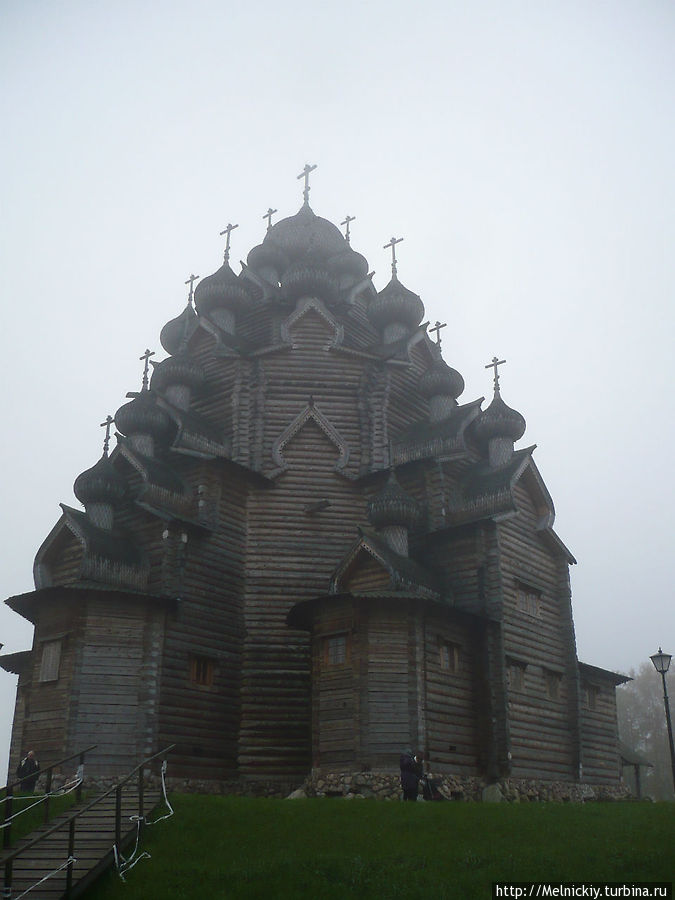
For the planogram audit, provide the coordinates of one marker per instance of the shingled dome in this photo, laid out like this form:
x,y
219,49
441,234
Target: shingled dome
x,y
307,279
180,369
178,330
395,303
499,421
441,380
221,290
305,233
143,416
100,484
393,506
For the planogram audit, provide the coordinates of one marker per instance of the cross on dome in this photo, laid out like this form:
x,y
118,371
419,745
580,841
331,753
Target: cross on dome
x,y
437,328
268,215
305,174
229,228
146,356
493,365
392,243
191,280
346,222
106,441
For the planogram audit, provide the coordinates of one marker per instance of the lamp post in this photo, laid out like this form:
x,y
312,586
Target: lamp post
x,y
661,662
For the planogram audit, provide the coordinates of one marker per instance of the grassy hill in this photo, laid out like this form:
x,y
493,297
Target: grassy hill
x,y
226,847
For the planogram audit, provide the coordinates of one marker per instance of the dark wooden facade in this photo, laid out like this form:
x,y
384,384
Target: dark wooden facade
x,y
251,581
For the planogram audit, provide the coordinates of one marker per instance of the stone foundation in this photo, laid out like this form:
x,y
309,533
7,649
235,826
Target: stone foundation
x,y
386,786
377,785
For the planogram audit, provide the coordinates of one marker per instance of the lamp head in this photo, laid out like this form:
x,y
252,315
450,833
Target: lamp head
x,y
661,661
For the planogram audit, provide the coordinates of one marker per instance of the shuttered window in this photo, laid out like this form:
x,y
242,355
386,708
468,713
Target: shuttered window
x,y
51,660
335,650
528,600
515,675
552,680
448,655
201,670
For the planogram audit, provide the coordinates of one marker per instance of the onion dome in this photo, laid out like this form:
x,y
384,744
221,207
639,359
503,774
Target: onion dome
x,y
143,416
100,484
393,506
441,380
267,260
178,330
304,233
222,289
395,304
303,279
349,264
180,369
499,421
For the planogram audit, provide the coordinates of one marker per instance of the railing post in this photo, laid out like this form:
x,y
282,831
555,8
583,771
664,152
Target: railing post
x,y
71,853
7,836
78,793
48,790
118,817
140,794
7,889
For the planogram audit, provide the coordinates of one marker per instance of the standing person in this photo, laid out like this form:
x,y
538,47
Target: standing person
x,y
28,771
411,772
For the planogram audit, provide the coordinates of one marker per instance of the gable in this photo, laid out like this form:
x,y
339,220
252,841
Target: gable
x,y
311,323
365,574
307,441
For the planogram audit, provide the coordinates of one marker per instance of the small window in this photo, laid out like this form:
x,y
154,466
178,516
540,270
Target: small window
x,y
335,650
201,671
515,675
51,660
528,600
552,681
448,655
591,692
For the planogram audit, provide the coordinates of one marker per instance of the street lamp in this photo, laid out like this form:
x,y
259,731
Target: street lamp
x,y
661,662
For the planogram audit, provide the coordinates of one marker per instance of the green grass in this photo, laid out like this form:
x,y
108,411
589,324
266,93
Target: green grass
x,y
33,817
225,847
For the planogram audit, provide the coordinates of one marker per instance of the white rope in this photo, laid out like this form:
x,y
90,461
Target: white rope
x,y
166,799
60,792
68,862
125,864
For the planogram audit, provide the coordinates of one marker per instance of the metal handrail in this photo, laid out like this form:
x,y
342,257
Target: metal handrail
x,y
70,821
12,784
45,798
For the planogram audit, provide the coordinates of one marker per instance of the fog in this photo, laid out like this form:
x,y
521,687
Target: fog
x,y
523,151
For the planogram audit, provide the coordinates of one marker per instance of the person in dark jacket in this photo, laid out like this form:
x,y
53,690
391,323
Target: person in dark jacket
x,y
28,771
411,772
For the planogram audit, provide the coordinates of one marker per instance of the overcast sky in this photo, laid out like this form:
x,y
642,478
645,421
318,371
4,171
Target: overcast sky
x,y
524,151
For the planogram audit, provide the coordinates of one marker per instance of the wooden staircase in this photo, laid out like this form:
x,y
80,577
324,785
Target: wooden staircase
x,y
75,848
95,836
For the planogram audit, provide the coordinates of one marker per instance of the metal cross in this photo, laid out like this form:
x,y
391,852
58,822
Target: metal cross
x,y
346,222
146,356
228,231
437,328
191,280
268,215
493,365
106,443
392,243
305,174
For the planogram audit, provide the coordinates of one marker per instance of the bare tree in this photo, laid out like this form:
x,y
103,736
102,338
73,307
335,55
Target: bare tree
x,y
642,726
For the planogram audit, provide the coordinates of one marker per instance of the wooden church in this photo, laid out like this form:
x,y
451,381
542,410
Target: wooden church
x,y
306,553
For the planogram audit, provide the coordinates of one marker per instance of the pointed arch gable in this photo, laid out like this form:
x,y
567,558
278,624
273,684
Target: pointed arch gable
x,y
309,305
311,411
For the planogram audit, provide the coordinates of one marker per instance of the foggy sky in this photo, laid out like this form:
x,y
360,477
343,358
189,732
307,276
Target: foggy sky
x,y
524,152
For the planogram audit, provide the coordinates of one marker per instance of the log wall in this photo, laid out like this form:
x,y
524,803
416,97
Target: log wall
x,y
536,641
